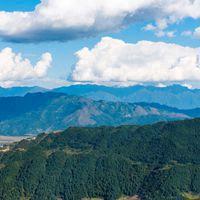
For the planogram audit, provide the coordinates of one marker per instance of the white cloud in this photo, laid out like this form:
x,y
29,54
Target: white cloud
x,y
170,34
70,19
187,33
16,70
161,33
192,33
197,33
150,27
160,28
117,62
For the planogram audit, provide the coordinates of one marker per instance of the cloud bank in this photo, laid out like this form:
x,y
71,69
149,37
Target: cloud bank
x,y
16,70
62,20
114,61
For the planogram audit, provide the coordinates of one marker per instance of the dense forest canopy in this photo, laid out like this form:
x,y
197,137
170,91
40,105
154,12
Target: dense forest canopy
x,y
155,162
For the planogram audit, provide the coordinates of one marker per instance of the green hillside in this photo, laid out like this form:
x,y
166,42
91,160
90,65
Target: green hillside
x,y
153,162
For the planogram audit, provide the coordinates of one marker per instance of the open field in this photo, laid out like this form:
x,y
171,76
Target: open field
x,y
130,198
122,198
190,196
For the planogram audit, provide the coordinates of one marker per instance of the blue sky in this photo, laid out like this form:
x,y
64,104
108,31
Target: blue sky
x,y
18,5
63,52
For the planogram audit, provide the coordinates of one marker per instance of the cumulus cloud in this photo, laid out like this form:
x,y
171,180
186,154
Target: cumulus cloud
x,y
15,70
160,29
120,63
70,19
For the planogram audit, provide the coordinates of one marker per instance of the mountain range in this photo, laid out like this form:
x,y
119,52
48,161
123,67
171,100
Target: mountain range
x,y
19,91
151,162
43,112
173,96
31,110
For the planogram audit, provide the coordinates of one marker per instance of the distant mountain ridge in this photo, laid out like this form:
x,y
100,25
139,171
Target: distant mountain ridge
x,y
19,91
38,112
174,96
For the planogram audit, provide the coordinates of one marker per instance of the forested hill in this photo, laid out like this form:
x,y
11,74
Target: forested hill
x,y
155,162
